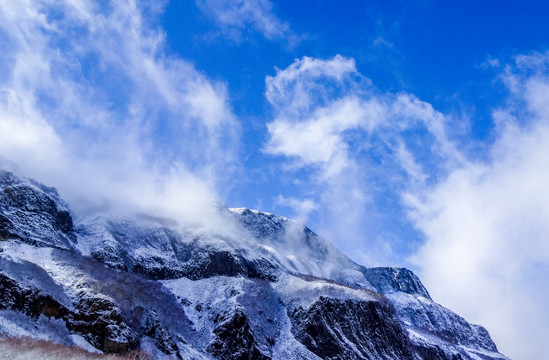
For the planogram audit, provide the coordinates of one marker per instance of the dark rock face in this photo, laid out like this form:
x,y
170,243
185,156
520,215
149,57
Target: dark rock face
x,y
330,325
110,256
100,322
234,340
173,257
33,213
152,326
391,279
216,263
96,318
29,301
8,229
226,263
429,319
158,268
431,352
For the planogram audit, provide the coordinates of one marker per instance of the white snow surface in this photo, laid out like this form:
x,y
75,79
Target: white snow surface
x,y
258,235
83,344
298,268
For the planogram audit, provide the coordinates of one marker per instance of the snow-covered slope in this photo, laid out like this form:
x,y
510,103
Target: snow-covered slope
x,y
264,288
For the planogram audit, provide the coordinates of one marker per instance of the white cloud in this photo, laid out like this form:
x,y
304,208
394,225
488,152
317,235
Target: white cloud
x,y
235,16
318,140
330,120
486,253
412,167
89,100
24,135
301,207
296,89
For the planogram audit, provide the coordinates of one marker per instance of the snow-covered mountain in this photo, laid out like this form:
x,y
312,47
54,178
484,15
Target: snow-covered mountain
x,y
264,288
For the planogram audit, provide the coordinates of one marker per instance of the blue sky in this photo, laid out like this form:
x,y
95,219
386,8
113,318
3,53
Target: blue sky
x,y
410,133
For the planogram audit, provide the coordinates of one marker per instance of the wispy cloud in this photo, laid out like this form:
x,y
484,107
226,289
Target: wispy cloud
x,y
301,207
89,99
235,17
487,251
331,120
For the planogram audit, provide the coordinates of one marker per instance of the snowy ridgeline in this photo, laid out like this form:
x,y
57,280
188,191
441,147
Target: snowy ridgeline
x,y
265,287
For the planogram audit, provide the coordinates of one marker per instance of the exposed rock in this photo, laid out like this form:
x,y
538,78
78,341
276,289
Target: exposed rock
x,y
351,329
234,339
7,229
427,319
152,326
99,321
158,268
29,301
226,263
271,289
392,279
109,255
33,213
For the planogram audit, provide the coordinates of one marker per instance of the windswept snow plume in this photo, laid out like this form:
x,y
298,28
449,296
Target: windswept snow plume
x,y
91,103
487,248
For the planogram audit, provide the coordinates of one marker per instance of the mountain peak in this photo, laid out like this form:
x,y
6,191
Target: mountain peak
x,y
270,289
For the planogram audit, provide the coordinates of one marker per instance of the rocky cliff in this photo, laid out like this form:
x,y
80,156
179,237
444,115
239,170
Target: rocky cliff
x,y
269,288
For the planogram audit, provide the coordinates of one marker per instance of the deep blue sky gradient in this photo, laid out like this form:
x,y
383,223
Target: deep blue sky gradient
x,y
440,51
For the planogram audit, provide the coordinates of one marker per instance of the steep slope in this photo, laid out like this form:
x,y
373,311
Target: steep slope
x,y
266,288
34,213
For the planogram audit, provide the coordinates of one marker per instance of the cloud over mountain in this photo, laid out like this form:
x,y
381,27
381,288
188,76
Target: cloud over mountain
x,y
486,222
334,125
88,90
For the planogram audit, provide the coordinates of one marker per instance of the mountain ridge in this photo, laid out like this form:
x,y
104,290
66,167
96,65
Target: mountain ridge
x,y
269,288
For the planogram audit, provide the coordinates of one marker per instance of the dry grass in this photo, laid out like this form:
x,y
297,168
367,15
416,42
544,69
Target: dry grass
x,y
30,349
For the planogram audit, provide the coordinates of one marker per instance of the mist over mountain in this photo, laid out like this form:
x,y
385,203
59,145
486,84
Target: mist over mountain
x,y
263,287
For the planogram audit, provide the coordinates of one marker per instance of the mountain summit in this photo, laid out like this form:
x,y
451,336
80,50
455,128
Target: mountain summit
x,y
265,288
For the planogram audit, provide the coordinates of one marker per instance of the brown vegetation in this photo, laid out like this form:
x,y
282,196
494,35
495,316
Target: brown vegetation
x,y
30,349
